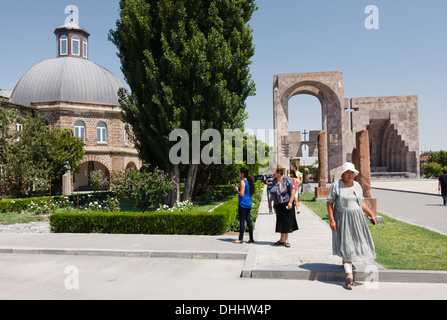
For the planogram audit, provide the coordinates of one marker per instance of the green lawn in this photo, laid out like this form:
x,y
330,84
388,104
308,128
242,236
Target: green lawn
x,y
15,217
399,245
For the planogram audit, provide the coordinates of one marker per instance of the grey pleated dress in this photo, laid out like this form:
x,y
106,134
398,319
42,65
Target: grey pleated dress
x,y
352,240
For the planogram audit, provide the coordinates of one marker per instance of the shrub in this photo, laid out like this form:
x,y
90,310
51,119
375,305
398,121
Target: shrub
x,y
432,169
146,188
97,180
180,207
180,223
41,187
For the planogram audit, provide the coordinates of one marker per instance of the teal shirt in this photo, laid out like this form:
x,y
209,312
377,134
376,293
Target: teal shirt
x,y
245,200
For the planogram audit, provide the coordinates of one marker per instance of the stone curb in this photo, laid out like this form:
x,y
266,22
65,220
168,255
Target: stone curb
x,y
408,191
337,274
128,253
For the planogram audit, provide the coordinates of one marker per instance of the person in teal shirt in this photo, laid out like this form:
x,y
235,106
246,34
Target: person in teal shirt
x,y
245,192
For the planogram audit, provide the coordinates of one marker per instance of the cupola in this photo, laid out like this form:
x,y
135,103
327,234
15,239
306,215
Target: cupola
x,y
72,40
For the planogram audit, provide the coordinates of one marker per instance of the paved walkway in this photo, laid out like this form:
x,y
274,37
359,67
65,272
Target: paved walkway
x,y
422,186
310,256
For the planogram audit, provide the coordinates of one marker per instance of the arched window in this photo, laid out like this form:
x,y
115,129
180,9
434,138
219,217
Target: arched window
x,y
75,46
102,132
84,48
64,46
80,130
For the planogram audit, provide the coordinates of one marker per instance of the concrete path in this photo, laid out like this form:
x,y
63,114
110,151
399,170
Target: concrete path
x,y
310,256
149,246
423,186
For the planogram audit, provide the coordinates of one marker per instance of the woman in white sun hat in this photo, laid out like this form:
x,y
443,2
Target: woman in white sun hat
x,y
351,239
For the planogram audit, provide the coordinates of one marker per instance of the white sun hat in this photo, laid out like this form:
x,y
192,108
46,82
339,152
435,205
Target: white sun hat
x,y
348,166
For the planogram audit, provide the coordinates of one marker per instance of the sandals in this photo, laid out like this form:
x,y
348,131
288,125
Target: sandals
x,y
349,283
279,243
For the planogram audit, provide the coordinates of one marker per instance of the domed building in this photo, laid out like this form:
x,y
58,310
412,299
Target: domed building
x,y
73,92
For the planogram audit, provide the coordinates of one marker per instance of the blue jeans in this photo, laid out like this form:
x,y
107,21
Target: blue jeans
x,y
245,215
444,196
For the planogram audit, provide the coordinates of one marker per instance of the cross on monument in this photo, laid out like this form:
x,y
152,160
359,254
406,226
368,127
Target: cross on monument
x,y
305,133
350,110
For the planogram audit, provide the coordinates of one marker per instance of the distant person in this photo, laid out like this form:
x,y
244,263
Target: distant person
x,y
351,239
283,194
297,182
442,186
268,180
300,181
245,191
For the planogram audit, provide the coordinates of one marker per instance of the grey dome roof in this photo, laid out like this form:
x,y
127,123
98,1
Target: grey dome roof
x,y
69,80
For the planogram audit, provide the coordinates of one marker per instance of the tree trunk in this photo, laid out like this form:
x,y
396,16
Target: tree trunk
x,y
190,182
174,195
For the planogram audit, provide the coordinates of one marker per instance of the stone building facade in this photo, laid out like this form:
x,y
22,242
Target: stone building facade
x,y
73,92
392,123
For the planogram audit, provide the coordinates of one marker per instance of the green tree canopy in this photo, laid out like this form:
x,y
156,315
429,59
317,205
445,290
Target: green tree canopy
x,y
37,152
184,61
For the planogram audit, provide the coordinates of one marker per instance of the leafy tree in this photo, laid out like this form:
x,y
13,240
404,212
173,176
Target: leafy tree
x,y
184,61
65,147
438,157
29,158
36,153
8,119
437,161
215,175
432,169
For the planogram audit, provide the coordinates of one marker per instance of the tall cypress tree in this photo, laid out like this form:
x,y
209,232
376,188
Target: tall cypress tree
x,y
184,61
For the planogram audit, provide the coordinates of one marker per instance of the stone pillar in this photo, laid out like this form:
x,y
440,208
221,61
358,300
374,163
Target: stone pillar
x,y
322,190
322,175
363,165
355,158
66,183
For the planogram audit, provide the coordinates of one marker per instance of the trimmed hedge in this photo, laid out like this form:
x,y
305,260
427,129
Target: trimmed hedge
x,y
216,222
179,223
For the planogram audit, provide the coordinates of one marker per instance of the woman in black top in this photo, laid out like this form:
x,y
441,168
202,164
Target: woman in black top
x,y
283,195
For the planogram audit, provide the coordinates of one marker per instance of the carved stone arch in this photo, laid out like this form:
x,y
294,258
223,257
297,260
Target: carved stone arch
x,y
131,166
88,164
93,158
327,87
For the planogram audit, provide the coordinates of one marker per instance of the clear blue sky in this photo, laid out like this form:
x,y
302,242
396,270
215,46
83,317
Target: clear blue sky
x,y
406,56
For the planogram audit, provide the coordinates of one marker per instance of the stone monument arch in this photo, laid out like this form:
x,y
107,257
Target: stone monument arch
x,y
392,124
327,87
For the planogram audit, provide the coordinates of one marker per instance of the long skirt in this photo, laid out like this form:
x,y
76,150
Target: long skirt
x,y
285,219
352,240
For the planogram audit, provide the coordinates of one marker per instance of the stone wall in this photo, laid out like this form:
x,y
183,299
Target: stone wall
x,y
392,123
394,131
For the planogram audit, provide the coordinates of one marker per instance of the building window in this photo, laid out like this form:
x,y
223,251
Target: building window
x,y
102,132
84,48
19,128
64,46
75,43
80,130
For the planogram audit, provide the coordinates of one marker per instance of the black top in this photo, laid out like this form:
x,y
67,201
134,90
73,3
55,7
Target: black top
x,y
443,180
